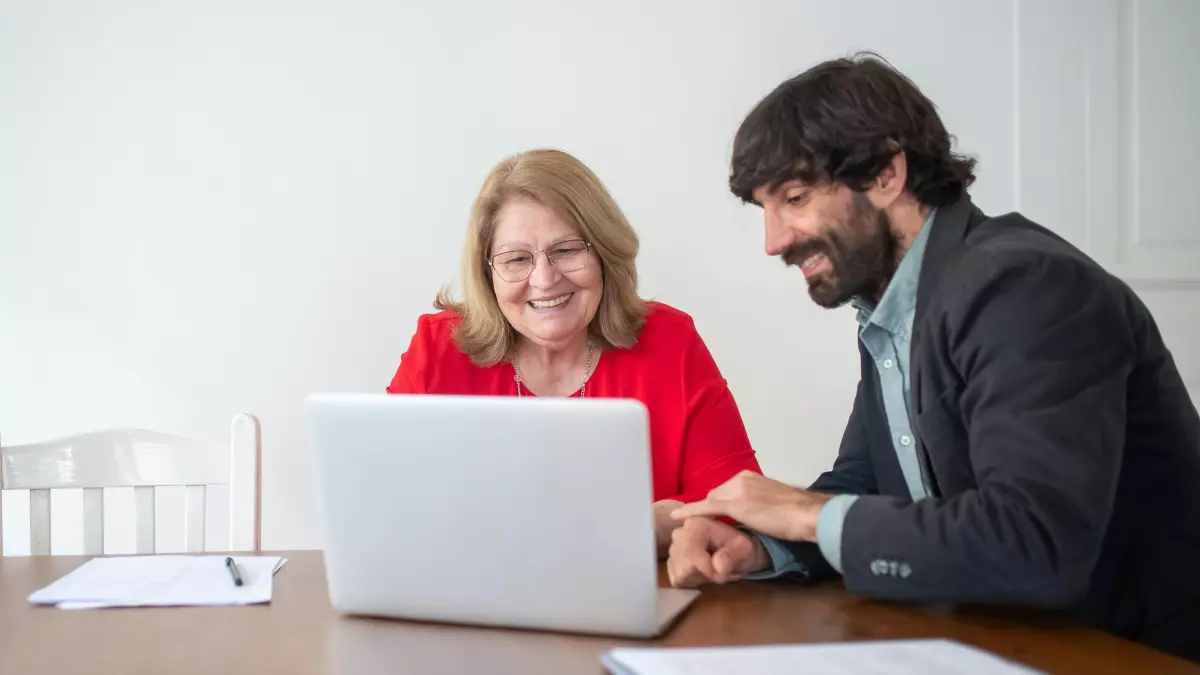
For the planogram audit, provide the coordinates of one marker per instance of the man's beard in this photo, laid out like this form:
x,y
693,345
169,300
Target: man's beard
x,y
861,251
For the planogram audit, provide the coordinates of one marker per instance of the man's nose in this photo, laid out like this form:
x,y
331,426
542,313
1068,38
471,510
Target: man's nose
x,y
778,238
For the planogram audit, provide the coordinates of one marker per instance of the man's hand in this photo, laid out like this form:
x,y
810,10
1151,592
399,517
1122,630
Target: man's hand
x,y
704,550
762,504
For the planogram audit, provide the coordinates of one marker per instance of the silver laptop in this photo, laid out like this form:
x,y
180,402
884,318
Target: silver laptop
x,y
529,513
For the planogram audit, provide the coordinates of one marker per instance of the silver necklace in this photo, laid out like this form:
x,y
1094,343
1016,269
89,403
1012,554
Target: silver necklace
x,y
587,371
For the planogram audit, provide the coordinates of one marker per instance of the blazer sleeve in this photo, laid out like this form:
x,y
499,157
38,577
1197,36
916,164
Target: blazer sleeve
x,y
1042,350
410,376
716,446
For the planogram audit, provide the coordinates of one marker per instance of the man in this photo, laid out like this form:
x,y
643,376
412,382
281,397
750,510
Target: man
x,y
1020,433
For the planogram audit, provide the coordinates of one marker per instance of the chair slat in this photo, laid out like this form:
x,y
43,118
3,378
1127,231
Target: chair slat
x,y
194,534
143,504
39,522
93,521
245,484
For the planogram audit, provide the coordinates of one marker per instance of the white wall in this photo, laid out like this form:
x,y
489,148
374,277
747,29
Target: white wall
x,y
217,207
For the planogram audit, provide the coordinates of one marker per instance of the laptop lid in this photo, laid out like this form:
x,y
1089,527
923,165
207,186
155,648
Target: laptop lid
x,y
488,510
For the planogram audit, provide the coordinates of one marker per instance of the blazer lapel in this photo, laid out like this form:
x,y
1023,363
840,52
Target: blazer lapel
x,y
950,227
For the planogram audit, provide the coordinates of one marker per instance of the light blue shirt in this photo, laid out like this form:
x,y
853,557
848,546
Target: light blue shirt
x,y
886,332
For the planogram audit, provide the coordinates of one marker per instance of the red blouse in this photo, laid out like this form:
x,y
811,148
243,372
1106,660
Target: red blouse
x,y
697,437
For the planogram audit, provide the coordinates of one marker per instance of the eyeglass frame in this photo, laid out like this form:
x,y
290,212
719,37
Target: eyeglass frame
x,y
587,248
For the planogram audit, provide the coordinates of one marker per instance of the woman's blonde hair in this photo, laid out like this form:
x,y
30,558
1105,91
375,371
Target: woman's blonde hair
x,y
562,183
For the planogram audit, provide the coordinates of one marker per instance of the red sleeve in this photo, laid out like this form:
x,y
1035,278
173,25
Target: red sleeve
x,y
410,377
715,444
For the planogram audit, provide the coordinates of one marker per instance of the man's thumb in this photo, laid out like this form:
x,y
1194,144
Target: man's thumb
x,y
726,560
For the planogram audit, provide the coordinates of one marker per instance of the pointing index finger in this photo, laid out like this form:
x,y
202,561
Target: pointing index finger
x,y
705,507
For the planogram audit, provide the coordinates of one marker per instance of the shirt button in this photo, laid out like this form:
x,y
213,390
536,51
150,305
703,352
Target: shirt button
x,y
905,441
887,363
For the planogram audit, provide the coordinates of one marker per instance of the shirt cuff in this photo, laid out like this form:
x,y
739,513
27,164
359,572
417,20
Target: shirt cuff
x,y
829,528
783,561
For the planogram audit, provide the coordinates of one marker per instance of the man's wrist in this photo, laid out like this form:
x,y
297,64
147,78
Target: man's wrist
x,y
806,512
761,560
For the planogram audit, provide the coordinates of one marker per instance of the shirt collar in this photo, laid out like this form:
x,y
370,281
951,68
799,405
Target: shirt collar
x,y
899,302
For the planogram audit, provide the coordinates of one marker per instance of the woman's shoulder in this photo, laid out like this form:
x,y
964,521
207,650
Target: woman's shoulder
x,y
444,321
666,327
432,363
660,314
435,332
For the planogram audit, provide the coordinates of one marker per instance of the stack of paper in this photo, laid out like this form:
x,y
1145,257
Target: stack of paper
x,y
898,657
161,581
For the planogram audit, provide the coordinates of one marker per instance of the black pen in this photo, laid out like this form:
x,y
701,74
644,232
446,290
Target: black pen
x,y
233,572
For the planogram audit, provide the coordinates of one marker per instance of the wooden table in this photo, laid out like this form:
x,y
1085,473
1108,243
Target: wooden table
x,y
298,633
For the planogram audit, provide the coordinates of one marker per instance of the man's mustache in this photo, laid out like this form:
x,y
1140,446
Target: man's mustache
x,y
797,253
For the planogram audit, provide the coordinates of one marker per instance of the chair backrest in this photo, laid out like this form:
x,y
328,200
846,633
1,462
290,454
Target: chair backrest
x,y
142,460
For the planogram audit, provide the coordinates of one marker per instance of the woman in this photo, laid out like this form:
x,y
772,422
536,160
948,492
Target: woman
x,y
550,308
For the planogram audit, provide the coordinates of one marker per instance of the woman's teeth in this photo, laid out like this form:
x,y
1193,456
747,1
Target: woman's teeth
x,y
553,302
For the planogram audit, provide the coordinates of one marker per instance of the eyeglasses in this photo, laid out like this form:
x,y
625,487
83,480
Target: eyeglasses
x,y
565,256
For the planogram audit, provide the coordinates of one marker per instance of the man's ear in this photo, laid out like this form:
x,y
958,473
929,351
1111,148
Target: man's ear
x,y
889,184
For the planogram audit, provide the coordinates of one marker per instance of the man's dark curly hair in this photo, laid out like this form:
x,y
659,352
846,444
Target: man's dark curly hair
x,y
842,121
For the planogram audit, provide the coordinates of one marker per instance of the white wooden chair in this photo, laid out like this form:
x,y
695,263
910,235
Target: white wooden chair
x,y
142,460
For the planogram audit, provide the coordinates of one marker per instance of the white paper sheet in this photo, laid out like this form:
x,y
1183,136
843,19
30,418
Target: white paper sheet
x,y
161,581
890,657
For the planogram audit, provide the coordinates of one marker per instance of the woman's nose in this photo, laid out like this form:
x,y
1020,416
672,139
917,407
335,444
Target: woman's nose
x,y
544,274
